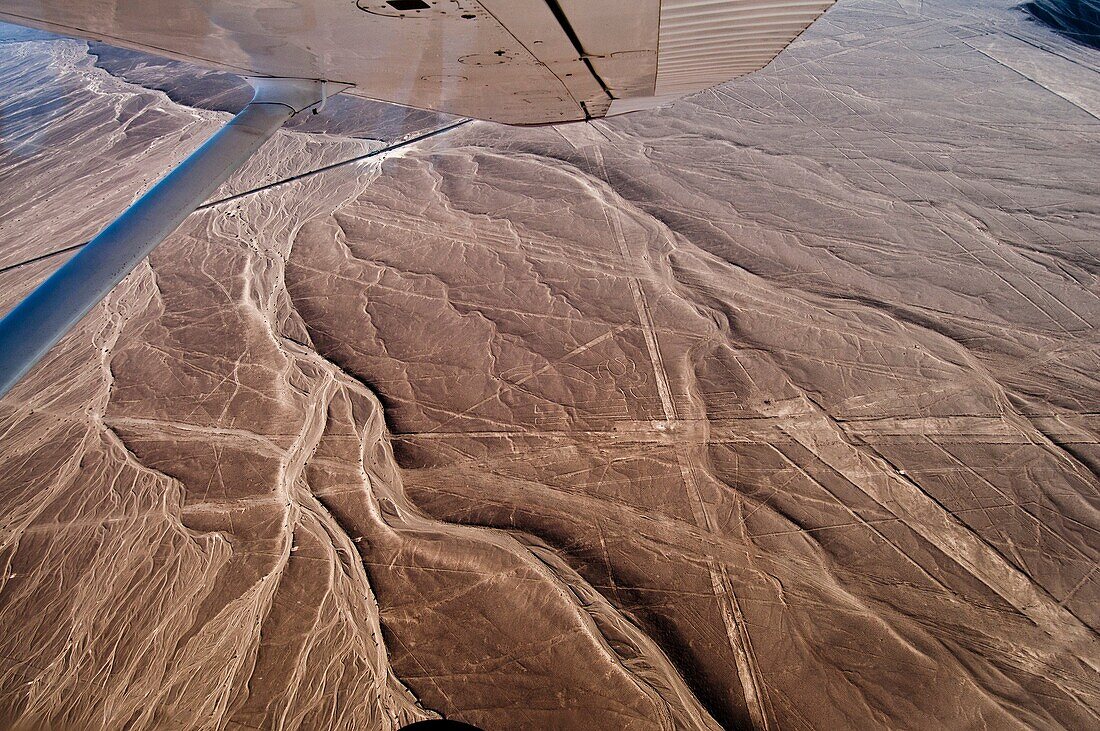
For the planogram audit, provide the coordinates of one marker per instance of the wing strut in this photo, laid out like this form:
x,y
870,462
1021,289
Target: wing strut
x,y
47,313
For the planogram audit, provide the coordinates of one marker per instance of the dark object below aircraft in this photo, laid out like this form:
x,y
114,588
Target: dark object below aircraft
x,y
1078,20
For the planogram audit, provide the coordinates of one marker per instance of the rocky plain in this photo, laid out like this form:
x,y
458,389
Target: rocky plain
x,y
776,408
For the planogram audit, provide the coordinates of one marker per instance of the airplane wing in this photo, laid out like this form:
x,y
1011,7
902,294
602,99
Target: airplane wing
x,y
510,61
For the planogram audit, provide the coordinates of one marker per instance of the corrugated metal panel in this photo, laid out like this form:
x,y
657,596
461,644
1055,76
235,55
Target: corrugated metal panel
x,y
706,42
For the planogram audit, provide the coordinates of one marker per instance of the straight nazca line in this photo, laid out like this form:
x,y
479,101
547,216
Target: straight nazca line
x,y
268,186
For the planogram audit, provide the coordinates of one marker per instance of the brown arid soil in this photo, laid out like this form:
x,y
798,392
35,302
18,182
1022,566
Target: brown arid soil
x,y
777,408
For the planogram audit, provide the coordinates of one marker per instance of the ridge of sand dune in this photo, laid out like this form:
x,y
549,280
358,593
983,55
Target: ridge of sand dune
x,y
773,409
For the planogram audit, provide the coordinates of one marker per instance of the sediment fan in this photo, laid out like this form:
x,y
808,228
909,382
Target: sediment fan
x,y
510,61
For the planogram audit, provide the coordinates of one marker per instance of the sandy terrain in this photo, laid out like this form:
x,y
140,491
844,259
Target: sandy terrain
x,y
774,409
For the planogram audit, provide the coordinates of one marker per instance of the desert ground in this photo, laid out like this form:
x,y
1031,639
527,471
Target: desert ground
x,y
777,408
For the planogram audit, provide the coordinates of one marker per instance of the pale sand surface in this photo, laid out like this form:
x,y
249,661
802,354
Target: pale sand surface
x,y
777,408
